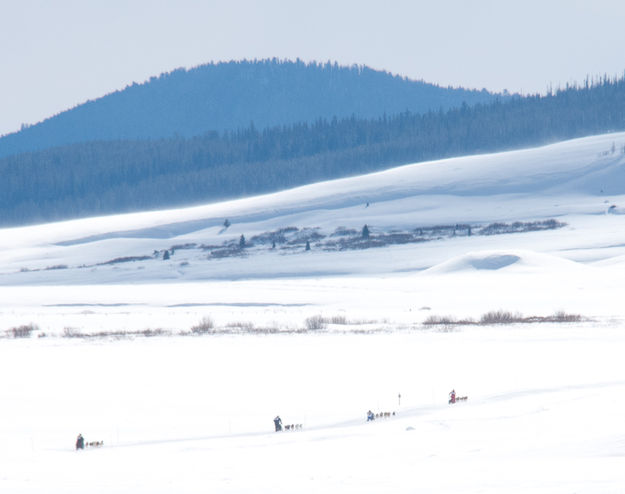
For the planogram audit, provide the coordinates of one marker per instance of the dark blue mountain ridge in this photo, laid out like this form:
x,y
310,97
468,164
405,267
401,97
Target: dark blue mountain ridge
x,y
231,95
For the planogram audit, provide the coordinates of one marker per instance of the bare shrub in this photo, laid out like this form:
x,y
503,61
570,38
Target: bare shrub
x,y
56,266
276,237
206,325
241,325
439,320
338,320
269,330
562,316
72,333
76,333
23,331
341,231
500,317
153,332
315,322
520,226
230,251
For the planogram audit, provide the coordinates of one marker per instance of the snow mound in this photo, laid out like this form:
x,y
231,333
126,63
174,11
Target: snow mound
x,y
495,261
499,260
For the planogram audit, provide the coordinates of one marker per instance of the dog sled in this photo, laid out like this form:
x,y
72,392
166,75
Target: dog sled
x,y
288,427
380,415
82,444
454,398
458,398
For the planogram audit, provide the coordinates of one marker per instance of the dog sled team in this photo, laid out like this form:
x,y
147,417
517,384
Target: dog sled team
x,y
381,415
81,444
277,422
454,398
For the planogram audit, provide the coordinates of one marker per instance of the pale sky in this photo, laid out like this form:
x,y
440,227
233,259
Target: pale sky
x,y
56,54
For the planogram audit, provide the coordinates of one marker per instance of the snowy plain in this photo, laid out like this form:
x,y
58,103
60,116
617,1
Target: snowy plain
x,y
185,412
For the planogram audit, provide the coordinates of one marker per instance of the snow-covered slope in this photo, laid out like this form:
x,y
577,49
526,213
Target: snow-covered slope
x,y
544,211
579,179
538,234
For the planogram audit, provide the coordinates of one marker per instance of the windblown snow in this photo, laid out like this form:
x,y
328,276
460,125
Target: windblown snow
x,y
513,260
175,337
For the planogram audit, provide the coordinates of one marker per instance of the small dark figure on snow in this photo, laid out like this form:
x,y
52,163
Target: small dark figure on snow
x,y
278,423
370,416
452,396
80,442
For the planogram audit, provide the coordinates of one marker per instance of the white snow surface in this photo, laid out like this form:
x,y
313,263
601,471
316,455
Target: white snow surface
x,y
192,413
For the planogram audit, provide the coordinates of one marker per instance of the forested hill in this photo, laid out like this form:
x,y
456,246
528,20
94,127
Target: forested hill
x,y
118,176
231,95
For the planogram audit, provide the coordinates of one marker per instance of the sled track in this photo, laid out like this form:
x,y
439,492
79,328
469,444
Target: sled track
x,y
406,413
414,412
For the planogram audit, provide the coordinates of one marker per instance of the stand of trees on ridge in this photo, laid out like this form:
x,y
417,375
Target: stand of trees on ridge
x,y
128,175
229,95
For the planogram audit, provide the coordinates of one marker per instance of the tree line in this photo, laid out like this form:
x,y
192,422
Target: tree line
x,y
105,177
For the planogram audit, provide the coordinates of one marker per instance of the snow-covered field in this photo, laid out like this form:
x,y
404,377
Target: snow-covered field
x,y
182,412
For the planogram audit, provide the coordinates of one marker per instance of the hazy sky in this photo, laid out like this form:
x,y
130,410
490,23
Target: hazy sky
x,y
58,53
